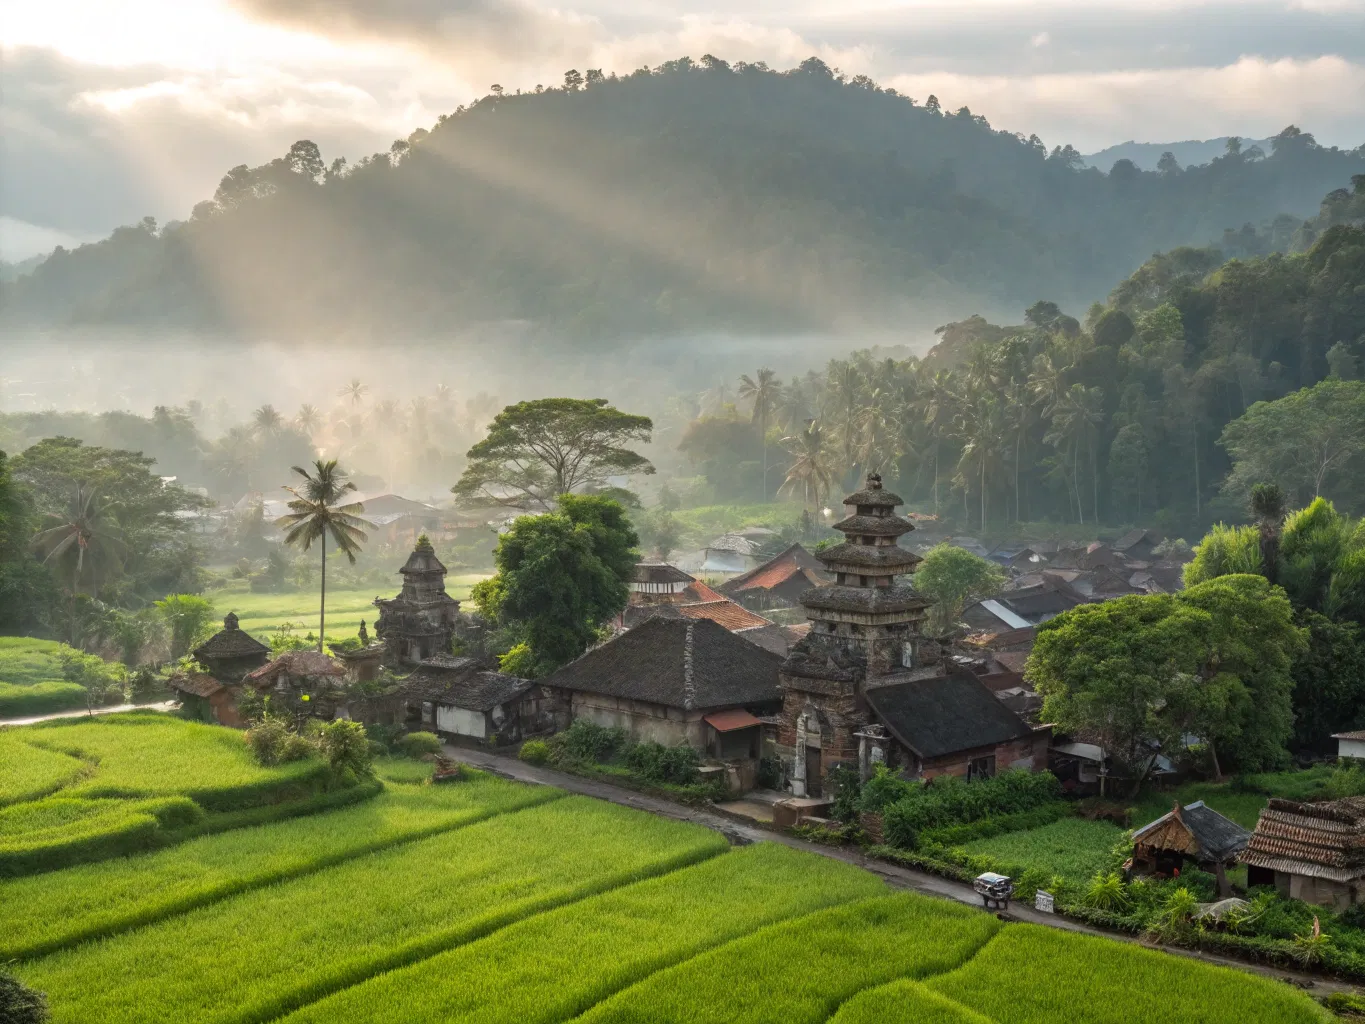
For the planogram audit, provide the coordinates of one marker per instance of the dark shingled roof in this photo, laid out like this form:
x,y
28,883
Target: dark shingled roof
x,y
683,663
195,683
660,572
866,600
230,642
1218,837
423,558
873,526
945,714
889,557
458,682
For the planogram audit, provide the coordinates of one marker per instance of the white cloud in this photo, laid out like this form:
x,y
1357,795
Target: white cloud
x,y
1041,39
1253,97
19,240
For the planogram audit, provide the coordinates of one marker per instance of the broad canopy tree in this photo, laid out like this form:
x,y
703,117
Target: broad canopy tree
x,y
537,451
954,577
1142,673
560,577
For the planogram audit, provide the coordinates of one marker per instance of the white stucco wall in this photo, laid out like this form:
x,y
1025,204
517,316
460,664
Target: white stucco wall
x,y
1351,748
460,722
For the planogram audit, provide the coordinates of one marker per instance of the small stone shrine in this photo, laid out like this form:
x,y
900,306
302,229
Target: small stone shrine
x,y
420,622
231,652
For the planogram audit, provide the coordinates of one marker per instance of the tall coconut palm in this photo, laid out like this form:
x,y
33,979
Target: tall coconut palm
x,y
981,427
267,421
1268,508
315,512
355,391
810,474
844,397
308,420
84,540
763,389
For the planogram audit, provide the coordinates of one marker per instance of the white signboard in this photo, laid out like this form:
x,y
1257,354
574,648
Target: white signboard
x,y
1045,902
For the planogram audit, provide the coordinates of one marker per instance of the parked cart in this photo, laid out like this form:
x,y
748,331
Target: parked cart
x,y
995,890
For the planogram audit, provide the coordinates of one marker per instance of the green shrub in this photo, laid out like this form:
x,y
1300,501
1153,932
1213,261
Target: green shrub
x,y
419,744
657,763
586,741
535,752
949,800
385,734
267,739
19,1004
1107,893
346,748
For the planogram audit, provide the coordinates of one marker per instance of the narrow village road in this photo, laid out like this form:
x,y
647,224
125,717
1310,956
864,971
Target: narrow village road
x,y
165,705
896,876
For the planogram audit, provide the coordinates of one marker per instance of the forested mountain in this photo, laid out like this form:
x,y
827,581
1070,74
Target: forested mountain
x,y
693,196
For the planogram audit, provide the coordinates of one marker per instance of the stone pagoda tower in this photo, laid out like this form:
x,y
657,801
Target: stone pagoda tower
x,y
864,632
420,622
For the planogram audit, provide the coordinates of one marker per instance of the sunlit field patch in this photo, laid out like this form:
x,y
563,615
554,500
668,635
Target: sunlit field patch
x,y
260,954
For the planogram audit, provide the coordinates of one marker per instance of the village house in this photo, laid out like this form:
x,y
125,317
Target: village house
x,y
421,621
661,590
1195,832
302,683
666,681
864,686
778,582
229,655
1138,545
1350,744
458,697
1313,852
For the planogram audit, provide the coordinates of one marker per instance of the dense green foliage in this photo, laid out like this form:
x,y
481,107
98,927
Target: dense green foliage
x,y
535,451
954,577
19,1004
560,576
949,800
1141,673
696,195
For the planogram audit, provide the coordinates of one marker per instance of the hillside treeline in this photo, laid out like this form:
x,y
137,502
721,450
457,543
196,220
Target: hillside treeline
x,y
691,196
1198,380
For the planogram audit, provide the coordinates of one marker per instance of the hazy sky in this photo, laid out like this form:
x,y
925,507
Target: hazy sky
x,y
113,109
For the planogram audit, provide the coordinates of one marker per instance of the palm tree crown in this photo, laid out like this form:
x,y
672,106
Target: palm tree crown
x,y
84,538
315,513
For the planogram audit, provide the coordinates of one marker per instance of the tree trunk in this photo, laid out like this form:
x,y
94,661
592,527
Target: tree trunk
x,y
983,495
1198,500
1094,485
1018,444
322,607
1217,768
1224,886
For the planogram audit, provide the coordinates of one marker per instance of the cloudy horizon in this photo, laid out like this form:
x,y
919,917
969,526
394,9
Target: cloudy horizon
x,y
113,112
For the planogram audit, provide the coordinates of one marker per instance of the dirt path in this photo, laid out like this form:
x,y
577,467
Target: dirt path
x,y
165,705
896,876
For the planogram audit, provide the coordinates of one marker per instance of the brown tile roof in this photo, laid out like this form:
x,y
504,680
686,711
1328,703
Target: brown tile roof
x,y
1321,840
1358,734
660,572
196,684
298,663
700,593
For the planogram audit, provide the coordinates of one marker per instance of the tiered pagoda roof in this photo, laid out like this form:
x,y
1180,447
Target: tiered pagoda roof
x,y
866,564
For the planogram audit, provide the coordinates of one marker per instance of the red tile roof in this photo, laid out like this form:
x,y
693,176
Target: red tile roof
x,y
726,613
700,593
729,721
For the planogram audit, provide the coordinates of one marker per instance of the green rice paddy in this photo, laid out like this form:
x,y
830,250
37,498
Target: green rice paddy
x,y
259,614
31,680
1073,848
485,900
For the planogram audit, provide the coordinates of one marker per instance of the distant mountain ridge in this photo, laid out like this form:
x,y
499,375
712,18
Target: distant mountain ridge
x,y
694,197
1190,153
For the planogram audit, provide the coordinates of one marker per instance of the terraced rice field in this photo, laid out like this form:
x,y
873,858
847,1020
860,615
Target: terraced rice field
x,y
488,901
31,679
